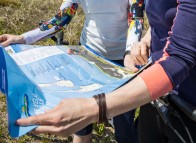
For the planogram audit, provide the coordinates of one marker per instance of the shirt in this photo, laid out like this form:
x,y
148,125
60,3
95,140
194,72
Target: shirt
x,y
105,28
173,48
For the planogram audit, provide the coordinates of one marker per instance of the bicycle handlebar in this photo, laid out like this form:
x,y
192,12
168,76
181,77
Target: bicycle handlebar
x,y
187,108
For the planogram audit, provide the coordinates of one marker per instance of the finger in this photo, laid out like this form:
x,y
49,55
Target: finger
x,y
140,60
136,61
136,53
139,56
42,119
55,130
129,63
132,68
149,52
144,52
6,43
70,51
45,129
3,38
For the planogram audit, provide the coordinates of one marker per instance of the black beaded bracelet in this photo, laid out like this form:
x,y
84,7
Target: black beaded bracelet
x,y
100,99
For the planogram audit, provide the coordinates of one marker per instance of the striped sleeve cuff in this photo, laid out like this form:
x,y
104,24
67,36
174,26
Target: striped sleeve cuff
x,y
157,81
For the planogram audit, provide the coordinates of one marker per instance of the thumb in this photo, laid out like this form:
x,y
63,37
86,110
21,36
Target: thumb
x,y
130,63
132,68
6,43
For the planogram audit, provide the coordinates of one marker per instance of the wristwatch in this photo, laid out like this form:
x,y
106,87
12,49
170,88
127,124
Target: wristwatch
x,y
127,53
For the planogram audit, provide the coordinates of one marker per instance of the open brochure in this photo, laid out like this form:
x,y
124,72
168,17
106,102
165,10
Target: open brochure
x,y
36,78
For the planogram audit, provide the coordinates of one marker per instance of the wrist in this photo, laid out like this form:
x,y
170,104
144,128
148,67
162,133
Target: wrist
x,y
21,39
94,110
101,102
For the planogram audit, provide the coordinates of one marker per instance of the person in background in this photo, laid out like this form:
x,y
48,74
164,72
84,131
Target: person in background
x,y
167,117
173,50
105,31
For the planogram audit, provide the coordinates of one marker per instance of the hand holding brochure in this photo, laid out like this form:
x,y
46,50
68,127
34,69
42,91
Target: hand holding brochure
x,y
36,78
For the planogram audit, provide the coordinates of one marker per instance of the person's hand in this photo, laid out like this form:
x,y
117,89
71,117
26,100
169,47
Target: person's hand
x,y
65,119
7,39
138,56
129,63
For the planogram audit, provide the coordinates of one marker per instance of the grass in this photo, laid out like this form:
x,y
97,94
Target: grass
x,y
19,16
8,2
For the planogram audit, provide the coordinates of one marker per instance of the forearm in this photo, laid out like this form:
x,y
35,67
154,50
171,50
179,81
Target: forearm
x,y
35,35
56,24
130,96
179,56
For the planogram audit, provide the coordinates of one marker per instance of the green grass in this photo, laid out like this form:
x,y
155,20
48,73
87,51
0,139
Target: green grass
x,y
19,16
9,2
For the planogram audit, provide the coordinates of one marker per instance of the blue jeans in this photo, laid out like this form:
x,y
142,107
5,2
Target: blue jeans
x,y
125,129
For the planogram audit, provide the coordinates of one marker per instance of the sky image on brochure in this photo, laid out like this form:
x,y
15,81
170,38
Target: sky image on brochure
x,y
36,78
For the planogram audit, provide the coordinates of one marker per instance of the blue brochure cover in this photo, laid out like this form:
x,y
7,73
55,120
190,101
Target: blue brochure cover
x,y
36,78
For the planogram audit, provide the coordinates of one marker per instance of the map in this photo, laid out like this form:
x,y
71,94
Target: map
x,y
36,78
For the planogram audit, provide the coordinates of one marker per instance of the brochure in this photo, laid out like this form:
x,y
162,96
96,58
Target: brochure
x,y
36,78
